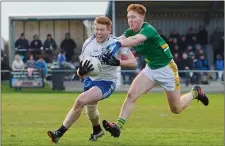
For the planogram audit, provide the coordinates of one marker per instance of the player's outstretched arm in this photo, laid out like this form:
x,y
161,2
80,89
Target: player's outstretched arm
x,y
128,60
133,40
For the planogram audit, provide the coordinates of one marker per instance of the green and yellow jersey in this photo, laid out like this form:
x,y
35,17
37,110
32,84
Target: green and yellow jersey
x,y
155,50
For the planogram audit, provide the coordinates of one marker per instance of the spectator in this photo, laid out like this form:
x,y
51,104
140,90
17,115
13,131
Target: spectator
x,y
30,65
220,49
49,47
61,58
190,48
17,64
176,49
68,45
185,65
202,64
22,45
173,43
41,66
174,34
182,42
177,59
22,42
191,36
163,36
62,61
36,44
202,36
195,76
215,39
219,66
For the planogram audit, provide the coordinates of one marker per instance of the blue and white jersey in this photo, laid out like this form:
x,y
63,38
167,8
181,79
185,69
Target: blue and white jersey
x,y
94,49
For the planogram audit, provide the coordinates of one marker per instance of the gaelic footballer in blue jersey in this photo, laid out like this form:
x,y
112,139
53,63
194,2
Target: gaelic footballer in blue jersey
x,y
101,86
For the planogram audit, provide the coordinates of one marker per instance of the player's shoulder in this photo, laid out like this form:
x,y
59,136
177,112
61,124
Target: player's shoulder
x,y
147,25
113,38
90,39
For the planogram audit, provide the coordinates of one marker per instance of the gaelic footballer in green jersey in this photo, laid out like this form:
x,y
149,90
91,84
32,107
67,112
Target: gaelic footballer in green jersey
x,y
160,69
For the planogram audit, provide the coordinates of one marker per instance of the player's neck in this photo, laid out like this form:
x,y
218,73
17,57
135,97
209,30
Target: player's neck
x,y
137,30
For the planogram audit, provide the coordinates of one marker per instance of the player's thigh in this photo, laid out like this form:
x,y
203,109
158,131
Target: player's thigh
x,y
140,85
91,96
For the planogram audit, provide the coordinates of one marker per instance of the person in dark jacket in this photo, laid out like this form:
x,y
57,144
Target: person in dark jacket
x,y
68,45
22,46
49,48
202,36
22,42
185,64
36,45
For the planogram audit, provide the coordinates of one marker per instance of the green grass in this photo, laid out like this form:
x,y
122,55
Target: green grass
x,y
27,116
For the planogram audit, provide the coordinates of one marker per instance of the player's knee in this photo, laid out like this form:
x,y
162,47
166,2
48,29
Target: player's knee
x,y
79,103
131,96
92,111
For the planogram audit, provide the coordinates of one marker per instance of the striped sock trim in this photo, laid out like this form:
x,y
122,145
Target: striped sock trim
x,y
120,122
194,93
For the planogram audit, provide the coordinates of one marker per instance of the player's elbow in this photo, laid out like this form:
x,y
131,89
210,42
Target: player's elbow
x,y
133,64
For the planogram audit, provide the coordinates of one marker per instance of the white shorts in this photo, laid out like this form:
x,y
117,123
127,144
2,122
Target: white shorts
x,y
167,76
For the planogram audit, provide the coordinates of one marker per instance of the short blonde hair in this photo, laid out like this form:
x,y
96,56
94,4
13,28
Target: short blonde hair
x,y
140,9
104,21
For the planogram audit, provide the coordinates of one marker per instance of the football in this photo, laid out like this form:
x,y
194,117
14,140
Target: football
x,y
96,65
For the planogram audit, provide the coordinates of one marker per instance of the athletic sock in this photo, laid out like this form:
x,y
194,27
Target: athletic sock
x,y
194,93
61,130
120,122
96,129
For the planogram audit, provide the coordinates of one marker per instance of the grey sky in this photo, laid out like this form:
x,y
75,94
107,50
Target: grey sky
x,y
48,8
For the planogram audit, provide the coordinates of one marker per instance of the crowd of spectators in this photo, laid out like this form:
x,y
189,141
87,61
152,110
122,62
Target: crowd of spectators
x,y
47,48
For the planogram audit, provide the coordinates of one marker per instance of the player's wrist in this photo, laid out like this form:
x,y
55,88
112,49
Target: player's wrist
x,y
119,44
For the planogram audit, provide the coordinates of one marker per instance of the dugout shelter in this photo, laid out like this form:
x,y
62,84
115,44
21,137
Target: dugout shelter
x,y
79,27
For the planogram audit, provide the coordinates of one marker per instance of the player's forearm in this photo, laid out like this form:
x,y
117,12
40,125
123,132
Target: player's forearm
x,y
130,63
129,42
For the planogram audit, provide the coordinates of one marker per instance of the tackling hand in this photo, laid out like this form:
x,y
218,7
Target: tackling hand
x,y
115,47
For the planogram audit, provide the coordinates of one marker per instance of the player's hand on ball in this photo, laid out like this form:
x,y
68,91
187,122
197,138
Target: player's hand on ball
x,y
85,68
109,59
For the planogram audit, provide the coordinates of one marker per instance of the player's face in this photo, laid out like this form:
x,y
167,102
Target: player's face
x,y
135,20
102,32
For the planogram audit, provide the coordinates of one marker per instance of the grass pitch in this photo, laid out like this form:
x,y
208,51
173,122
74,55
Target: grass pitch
x,y
27,116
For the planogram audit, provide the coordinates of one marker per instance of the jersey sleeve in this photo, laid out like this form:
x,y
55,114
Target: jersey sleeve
x,y
148,31
124,51
85,51
127,33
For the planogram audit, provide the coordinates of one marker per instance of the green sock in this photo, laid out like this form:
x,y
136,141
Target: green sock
x,y
120,122
194,93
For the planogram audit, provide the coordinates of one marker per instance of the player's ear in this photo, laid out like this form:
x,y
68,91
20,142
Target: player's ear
x,y
142,17
110,30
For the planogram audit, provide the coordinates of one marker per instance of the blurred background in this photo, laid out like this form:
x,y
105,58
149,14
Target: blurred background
x,y
194,31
